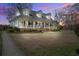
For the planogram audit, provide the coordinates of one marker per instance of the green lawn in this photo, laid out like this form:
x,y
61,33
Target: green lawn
x,y
52,51
63,43
56,51
0,45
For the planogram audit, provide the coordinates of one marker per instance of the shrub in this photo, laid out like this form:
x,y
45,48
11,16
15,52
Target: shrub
x,y
76,29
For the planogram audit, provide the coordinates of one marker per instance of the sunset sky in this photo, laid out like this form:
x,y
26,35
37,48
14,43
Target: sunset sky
x,y
45,7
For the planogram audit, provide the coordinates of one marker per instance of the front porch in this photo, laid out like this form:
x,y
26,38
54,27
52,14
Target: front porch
x,y
32,24
27,25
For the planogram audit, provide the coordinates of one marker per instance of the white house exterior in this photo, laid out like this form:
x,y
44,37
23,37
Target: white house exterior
x,y
31,19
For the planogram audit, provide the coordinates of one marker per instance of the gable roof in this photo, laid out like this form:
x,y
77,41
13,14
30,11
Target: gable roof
x,y
32,16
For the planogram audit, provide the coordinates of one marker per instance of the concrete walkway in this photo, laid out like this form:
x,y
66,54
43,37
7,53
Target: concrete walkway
x,y
9,47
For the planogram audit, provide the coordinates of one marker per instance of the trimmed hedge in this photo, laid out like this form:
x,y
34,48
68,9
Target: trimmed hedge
x,y
25,30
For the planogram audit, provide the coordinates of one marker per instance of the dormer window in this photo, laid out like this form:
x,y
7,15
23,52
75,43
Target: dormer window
x,y
39,15
17,13
26,12
48,17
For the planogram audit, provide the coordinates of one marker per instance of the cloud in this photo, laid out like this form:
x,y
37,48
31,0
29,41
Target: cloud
x,y
44,7
67,5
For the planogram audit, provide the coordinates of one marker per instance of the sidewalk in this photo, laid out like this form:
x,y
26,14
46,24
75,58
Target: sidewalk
x,y
9,47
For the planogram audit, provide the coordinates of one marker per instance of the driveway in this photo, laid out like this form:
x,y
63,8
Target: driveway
x,y
9,46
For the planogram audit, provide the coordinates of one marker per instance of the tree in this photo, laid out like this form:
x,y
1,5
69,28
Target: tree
x,y
75,8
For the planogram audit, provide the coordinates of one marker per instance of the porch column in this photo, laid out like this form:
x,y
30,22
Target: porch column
x,y
44,24
49,26
38,24
18,23
26,24
33,24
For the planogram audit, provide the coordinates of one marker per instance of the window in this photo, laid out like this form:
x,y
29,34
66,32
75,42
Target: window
x,y
17,13
46,24
30,23
36,23
39,15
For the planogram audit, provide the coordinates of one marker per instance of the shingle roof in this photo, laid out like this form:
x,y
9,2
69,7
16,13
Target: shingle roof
x,y
33,17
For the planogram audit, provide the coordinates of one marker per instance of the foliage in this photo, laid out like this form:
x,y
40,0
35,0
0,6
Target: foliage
x,y
76,29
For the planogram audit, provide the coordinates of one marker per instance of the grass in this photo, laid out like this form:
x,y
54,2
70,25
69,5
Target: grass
x,y
56,51
0,45
72,50
47,44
